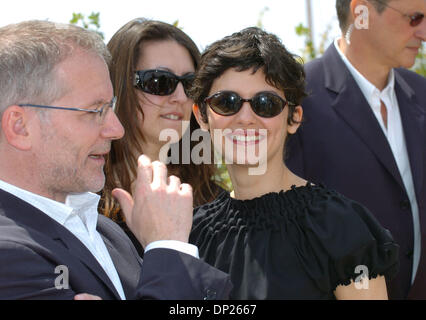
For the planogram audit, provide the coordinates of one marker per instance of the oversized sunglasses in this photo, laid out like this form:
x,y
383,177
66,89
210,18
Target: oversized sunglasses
x,y
264,104
415,18
161,82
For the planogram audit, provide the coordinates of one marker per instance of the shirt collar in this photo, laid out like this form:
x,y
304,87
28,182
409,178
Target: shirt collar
x,y
366,87
83,204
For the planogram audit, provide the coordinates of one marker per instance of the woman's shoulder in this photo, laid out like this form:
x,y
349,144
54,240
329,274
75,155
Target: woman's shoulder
x,y
350,235
336,216
337,212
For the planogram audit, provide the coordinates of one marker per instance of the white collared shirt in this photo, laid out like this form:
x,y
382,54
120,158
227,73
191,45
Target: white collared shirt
x,y
79,215
395,136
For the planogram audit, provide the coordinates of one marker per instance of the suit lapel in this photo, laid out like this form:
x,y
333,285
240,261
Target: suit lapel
x,y
413,122
122,265
126,260
30,217
79,250
351,105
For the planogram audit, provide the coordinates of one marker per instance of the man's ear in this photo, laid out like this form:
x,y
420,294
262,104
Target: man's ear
x,y
199,117
14,123
356,4
297,120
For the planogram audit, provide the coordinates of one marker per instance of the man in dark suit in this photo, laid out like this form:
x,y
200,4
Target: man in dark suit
x,y
56,127
364,132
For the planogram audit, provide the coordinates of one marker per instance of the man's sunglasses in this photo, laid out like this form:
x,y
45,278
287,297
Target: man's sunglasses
x,y
264,104
161,82
415,18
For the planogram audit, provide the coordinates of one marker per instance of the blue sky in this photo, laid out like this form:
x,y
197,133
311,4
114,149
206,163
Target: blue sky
x,y
204,21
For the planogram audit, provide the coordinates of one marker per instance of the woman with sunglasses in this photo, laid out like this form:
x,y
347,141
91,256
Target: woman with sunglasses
x,y
152,68
277,235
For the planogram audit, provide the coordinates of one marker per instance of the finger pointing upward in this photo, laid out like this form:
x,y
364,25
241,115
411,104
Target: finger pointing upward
x,y
145,169
159,178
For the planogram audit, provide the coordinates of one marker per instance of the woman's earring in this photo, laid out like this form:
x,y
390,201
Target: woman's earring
x,y
349,34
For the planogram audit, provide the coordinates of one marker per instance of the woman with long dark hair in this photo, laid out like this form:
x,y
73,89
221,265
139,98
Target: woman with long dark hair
x,y
152,68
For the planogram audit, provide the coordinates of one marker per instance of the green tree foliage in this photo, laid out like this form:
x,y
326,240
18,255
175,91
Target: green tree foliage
x,y
260,18
310,52
91,22
420,66
222,177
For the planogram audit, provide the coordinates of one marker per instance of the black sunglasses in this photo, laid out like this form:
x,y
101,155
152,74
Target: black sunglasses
x,y
415,18
161,82
264,104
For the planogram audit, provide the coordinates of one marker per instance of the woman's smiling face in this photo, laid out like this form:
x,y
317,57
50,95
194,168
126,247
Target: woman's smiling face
x,y
245,136
164,112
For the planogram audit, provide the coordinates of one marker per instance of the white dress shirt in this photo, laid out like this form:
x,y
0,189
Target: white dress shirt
x,y
395,137
79,215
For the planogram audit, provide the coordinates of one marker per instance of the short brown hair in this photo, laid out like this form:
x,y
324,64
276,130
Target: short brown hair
x,y
251,48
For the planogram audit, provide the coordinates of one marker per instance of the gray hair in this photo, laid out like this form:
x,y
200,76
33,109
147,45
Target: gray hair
x,y
29,53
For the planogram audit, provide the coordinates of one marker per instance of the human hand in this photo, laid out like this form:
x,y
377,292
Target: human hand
x,y
86,296
161,207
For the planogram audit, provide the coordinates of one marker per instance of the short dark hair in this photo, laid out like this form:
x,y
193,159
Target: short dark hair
x,y
251,48
343,9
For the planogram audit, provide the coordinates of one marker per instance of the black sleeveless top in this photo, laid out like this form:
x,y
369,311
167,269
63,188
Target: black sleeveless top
x,y
298,244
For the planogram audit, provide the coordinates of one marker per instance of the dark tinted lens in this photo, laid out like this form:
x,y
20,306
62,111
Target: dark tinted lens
x,y
187,82
416,19
267,105
159,83
225,103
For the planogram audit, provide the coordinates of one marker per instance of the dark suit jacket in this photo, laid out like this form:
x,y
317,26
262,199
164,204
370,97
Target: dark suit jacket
x,y
32,245
341,145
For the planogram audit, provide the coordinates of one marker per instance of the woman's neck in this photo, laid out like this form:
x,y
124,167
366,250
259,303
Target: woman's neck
x,y
275,179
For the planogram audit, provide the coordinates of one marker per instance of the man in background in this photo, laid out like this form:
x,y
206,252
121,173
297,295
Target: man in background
x,y
364,132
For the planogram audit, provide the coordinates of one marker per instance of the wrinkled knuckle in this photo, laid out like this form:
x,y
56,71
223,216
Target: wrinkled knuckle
x,y
159,164
175,179
158,188
187,187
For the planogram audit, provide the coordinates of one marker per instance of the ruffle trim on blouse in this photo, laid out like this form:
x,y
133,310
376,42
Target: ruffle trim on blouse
x,y
385,264
332,235
264,212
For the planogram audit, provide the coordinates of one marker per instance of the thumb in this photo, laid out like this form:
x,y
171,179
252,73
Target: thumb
x,y
86,296
126,202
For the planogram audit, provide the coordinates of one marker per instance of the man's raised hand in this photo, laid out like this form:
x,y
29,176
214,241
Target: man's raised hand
x,y
161,207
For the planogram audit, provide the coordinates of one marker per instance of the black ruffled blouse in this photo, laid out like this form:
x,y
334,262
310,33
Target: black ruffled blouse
x,y
298,244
